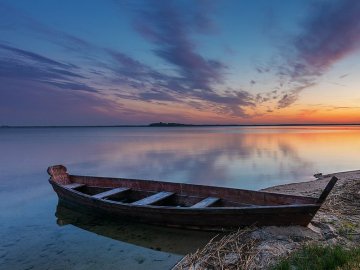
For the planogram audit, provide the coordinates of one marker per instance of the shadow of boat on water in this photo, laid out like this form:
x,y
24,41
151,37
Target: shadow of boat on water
x,y
170,240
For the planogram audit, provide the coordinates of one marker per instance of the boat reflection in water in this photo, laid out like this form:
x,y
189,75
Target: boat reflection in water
x,y
170,240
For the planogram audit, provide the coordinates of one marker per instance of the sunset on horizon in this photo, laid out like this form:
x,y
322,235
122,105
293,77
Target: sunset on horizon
x,y
180,134
192,62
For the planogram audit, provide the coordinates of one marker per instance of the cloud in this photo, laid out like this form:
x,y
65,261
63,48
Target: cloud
x,y
128,63
35,103
159,96
34,56
200,19
20,64
13,19
237,98
343,76
141,77
168,29
266,96
153,85
330,33
14,68
262,69
333,108
195,79
73,86
292,96
156,86
191,79
287,100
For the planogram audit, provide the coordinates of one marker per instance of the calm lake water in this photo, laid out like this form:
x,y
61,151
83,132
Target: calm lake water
x,y
36,233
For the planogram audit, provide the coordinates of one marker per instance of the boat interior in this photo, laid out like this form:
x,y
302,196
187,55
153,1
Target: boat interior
x,y
145,193
143,198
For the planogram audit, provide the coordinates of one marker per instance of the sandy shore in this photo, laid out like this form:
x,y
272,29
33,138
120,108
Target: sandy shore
x,y
337,222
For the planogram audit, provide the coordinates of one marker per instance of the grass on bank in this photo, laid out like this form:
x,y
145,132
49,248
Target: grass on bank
x,y
321,258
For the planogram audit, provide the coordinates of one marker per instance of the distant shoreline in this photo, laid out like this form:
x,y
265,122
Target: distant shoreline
x,y
180,126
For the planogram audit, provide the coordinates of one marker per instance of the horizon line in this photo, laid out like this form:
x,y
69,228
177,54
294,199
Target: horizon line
x,y
177,125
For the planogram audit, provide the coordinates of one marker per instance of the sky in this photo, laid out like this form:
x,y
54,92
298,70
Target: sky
x,y
102,62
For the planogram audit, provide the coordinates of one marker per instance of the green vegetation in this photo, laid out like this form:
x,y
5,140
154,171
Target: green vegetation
x,y
321,258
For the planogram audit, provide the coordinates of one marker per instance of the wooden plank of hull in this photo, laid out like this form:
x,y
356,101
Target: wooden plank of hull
x,y
112,192
206,202
154,198
213,218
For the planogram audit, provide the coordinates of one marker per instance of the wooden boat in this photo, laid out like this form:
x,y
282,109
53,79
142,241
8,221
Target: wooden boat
x,y
183,205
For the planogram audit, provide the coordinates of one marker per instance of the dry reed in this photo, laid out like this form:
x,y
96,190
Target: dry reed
x,y
234,251
344,200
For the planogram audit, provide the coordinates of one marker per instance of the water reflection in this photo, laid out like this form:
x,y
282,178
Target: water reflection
x,y
251,157
168,240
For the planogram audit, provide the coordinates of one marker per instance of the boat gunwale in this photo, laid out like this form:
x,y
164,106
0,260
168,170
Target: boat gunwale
x,y
176,208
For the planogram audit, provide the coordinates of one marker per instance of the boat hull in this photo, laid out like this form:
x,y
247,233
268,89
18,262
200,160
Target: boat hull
x,y
209,218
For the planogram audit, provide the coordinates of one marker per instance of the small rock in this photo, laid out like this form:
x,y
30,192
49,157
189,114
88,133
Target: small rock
x,y
139,259
314,229
327,230
282,237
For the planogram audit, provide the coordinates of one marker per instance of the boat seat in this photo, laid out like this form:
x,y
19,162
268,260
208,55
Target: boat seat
x,y
205,202
111,192
154,198
74,185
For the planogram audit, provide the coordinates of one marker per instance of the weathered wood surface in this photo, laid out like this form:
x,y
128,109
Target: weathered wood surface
x,y
236,207
206,202
154,198
327,189
59,174
110,192
212,218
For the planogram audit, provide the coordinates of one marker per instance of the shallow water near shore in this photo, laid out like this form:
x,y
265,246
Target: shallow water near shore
x,y
36,233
